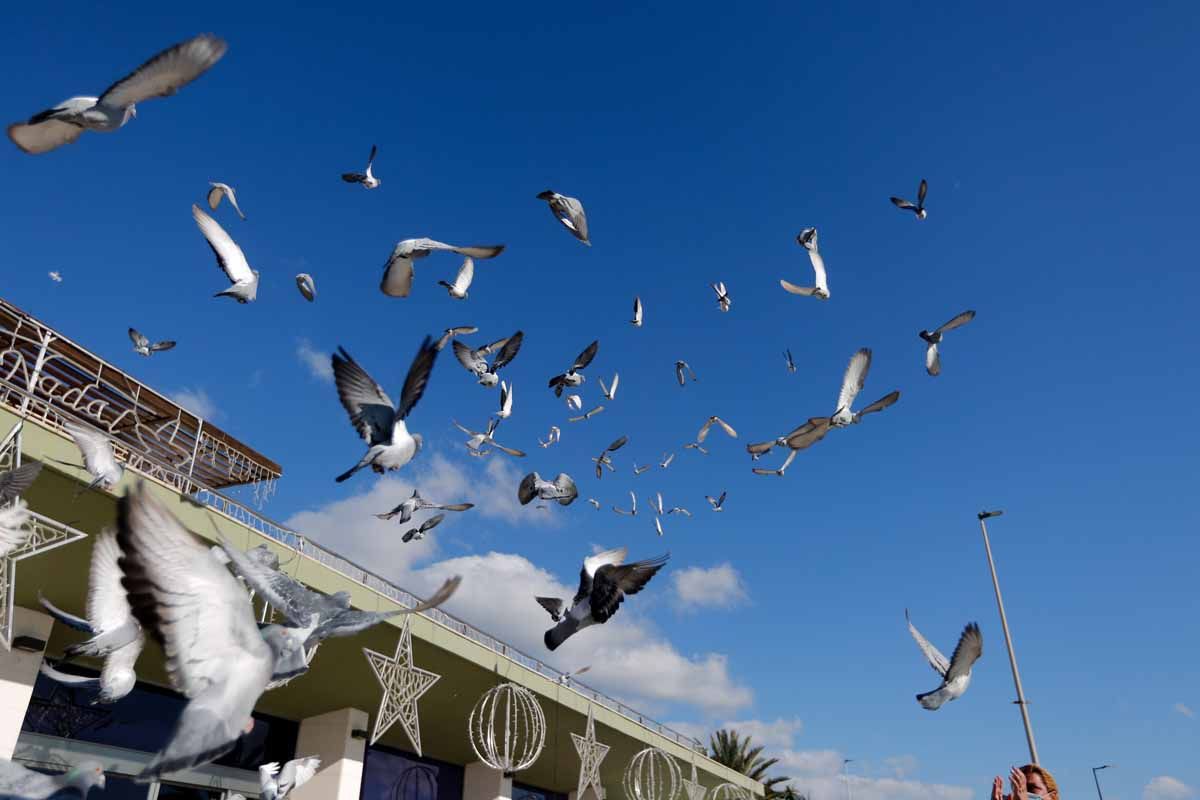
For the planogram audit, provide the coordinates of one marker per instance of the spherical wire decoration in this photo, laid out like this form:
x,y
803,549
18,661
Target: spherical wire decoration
x,y
508,728
729,791
652,775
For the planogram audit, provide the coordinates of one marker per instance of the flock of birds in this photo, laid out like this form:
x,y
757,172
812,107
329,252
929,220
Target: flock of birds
x,y
149,575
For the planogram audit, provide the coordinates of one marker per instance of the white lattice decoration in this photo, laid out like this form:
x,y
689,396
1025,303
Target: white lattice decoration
x,y
403,684
44,534
652,775
10,448
507,728
591,755
729,791
693,788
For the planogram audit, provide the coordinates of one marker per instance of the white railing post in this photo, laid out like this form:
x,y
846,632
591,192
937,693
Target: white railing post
x,y
31,388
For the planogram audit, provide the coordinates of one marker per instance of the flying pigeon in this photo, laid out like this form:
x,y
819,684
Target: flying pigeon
x,y
200,615
462,282
506,401
723,300
220,190
380,424
637,313
852,384
277,783
679,510
657,503
414,503
956,673
566,677
658,525
13,533
632,512
587,414
367,179
98,457
55,276
639,470
142,346
568,211
18,782
308,287
595,503
717,503
475,361
16,481
604,582
604,460
450,333
116,636
561,489
573,376
398,271
610,392
682,368
551,438
667,459
917,208
722,424
230,259
418,533
933,359
799,439
697,447
478,440
808,240
574,402
161,76
791,365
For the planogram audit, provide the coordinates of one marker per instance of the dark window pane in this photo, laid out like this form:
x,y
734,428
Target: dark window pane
x,y
522,791
173,791
118,787
392,775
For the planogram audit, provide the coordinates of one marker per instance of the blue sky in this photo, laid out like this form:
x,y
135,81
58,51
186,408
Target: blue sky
x,y
1059,145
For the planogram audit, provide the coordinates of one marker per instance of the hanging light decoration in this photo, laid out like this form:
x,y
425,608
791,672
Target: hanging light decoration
x,y
652,775
508,728
729,791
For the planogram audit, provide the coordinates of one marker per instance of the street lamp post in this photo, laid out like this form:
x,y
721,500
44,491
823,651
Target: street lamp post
x,y
1012,658
1096,778
846,777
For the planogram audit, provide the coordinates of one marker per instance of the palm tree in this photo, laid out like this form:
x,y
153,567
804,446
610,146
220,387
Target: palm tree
x,y
735,752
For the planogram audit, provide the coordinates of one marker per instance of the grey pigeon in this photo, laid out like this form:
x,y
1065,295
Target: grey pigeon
x,y
366,178
933,359
307,286
21,783
561,490
15,482
800,438
604,582
680,368
569,212
720,423
220,190
789,362
852,384
717,503
161,76
380,424
479,442
605,460
143,347
573,376
451,333
414,503
418,533
918,207
230,259
398,271
808,240
475,360
723,299
955,673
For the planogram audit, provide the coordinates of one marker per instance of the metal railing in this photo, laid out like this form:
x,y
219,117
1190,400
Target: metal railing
x,y
53,418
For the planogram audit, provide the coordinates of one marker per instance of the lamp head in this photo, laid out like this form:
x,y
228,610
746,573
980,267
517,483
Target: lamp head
x,y
989,514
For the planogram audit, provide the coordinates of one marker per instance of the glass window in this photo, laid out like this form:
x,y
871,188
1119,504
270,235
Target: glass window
x,y
177,791
118,787
392,775
523,791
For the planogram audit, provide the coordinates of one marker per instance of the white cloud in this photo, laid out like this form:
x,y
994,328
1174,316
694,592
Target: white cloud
x,y
717,587
629,656
1180,708
318,363
196,401
1164,787
774,735
901,766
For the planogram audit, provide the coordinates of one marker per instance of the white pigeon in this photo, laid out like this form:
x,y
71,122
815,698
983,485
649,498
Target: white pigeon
x,y
918,207
462,282
398,271
414,503
220,190
933,359
574,376
161,76
632,512
98,457
723,299
697,447
852,384
230,259
574,402
475,361
605,459
789,362
657,503
55,276
308,287
682,368
367,178
679,510
482,440
717,503
506,401
277,783
451,333
639,470
955,673
637,313
667,459
18,782
591,412
658,525
808,240
722,424
143,347
115,635
215,654
13,533
568,211
380,424
604,582
610,392
551,438
418,533
561,490
595,503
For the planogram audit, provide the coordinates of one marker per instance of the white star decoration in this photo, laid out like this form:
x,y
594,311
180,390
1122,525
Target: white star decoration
x,y
403,684
591,753
44,534
693,788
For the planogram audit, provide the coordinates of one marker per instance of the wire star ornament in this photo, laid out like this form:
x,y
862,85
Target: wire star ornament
x,y
403,684
693,788
591,754
44,534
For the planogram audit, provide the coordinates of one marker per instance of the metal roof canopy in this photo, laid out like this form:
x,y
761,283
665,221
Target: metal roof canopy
x,y
68,381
